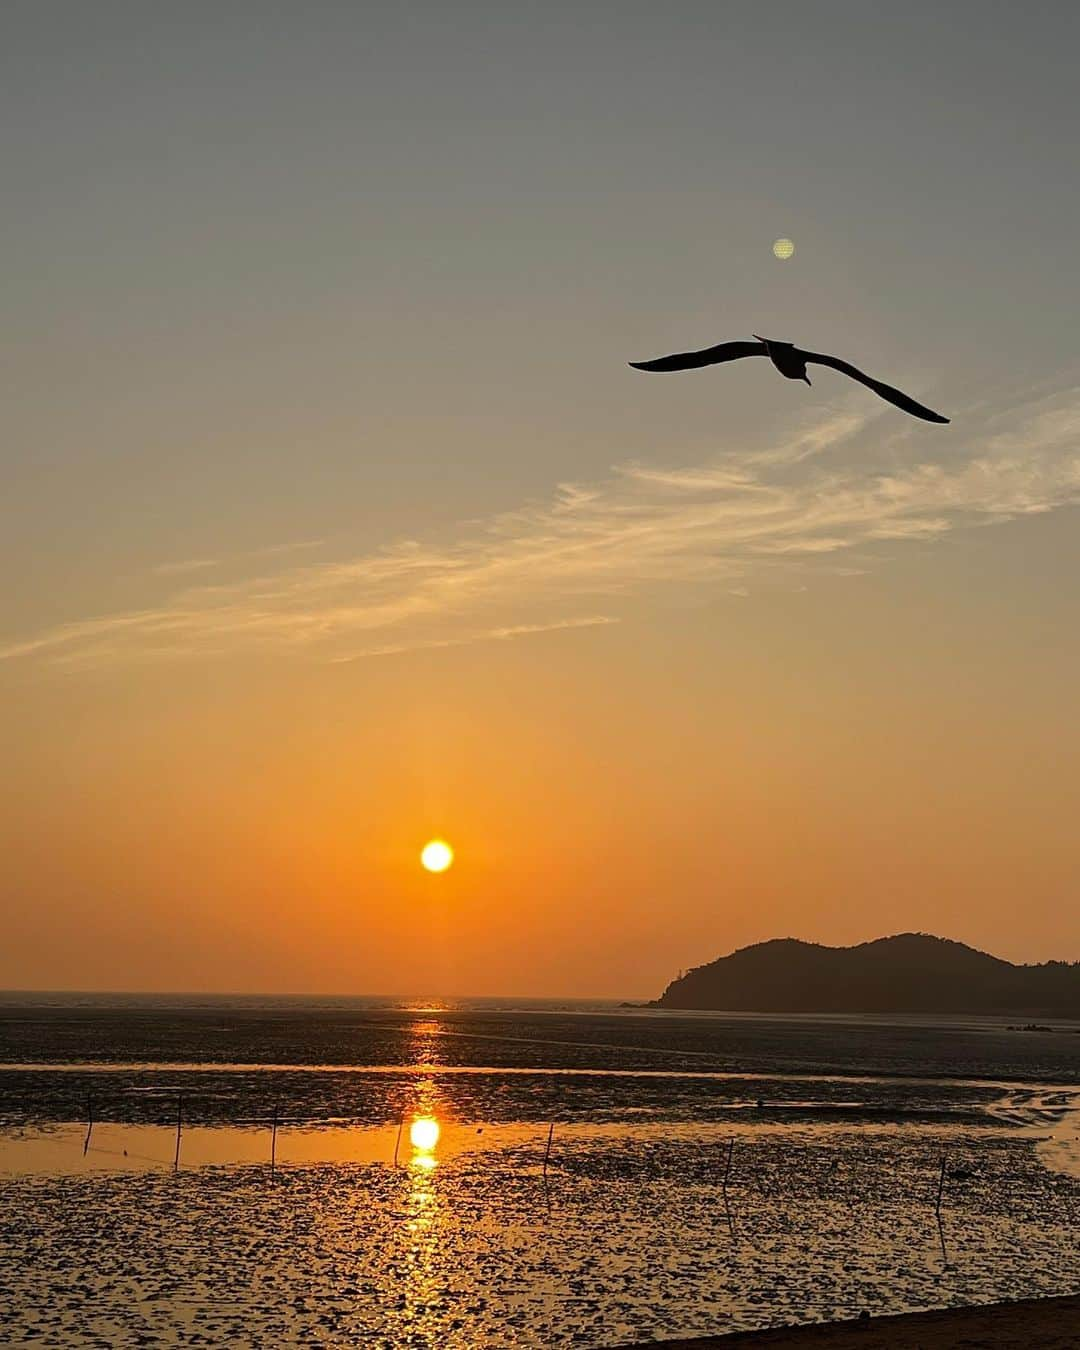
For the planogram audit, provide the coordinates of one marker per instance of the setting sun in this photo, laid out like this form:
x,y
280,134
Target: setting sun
x,y
437,855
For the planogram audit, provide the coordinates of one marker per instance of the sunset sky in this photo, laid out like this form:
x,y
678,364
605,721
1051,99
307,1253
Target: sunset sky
x,y
334,520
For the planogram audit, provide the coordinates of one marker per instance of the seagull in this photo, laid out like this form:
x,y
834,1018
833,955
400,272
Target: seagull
x,y
791,361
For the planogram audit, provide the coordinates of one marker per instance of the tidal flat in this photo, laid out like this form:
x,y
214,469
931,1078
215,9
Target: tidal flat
x,y
703,1175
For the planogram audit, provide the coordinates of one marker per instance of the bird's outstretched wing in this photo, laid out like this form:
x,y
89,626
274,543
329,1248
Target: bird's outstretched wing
x,y
711,356
885,391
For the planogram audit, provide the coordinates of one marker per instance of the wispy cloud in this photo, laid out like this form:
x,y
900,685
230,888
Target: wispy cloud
x,y
482,635
293,546
178,568
835,488
173,569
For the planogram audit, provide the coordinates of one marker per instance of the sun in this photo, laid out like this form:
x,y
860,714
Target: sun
x,y
436,855
783,249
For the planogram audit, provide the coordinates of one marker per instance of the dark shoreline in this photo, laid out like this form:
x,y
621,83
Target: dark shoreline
x,y
1037,1323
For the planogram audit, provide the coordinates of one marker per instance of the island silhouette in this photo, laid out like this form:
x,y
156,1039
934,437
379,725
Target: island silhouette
x,y
905,973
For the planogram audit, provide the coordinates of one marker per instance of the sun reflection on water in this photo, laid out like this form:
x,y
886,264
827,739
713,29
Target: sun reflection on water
x,y
424,1134
422,1255
424,1038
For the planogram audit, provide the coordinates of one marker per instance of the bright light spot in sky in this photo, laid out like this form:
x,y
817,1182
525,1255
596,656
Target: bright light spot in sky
x,y
783,249
437,855
424,1133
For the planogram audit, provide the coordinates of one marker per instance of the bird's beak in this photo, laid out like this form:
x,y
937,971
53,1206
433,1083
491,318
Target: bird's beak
x,y
806,377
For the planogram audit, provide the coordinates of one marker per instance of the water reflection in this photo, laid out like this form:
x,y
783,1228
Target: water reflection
x,y
422,1257
423,1037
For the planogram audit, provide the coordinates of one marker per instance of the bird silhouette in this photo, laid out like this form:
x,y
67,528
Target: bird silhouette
x,y
791,361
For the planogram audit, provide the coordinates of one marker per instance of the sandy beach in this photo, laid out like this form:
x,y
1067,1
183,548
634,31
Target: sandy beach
x,y
1030,1324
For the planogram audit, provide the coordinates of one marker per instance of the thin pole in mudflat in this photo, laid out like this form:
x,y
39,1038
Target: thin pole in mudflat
x,y
179,1122
89,1123
723,1186
940,1185
937,1209
273,1142
547,1151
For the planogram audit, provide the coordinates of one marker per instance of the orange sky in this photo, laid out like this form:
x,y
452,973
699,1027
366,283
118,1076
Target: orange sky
x,y
334,519
752,771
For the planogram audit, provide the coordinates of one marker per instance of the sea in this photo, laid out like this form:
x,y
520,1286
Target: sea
x,y
481,1173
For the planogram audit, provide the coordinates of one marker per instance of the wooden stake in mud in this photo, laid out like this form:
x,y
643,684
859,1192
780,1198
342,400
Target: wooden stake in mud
x,y
273,1142
90,1123
723,1186
547,1151
397,1141
937,1208
179,1119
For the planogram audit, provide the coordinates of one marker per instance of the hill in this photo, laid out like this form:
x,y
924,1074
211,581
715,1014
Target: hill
x,y
911,973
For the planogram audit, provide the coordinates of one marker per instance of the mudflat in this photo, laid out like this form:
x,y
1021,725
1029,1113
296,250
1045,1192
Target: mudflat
x,y
705,1174
1028,1324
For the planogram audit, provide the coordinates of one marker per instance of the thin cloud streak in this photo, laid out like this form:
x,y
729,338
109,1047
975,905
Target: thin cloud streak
x,y
171,569
489,635
205,564
834,488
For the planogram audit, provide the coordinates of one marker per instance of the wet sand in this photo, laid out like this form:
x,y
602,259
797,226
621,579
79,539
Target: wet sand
x,y
629,1239
1033,1324
625,1234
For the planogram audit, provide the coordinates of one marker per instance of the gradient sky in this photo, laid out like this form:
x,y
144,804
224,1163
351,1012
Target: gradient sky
x,y
333,518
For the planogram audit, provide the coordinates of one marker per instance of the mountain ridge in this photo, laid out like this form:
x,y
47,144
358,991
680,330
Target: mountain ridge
x,y
905,972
